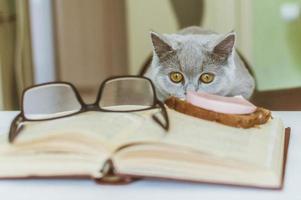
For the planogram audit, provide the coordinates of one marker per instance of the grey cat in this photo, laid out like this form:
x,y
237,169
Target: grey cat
x,y
198,60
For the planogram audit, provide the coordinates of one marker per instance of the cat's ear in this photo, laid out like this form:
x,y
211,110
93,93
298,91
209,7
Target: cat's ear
x,y
225,46
161,46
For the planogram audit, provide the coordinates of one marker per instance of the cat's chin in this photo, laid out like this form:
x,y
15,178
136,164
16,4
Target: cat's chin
x,y
182,98
179,97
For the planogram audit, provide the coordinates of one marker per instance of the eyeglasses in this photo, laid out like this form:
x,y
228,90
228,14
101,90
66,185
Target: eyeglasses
x,y
55,100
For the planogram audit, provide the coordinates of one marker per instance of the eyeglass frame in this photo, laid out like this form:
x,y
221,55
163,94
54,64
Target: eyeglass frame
x,y
20,118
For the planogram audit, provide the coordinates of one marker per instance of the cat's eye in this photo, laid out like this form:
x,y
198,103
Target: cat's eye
x,y
207,78
176,77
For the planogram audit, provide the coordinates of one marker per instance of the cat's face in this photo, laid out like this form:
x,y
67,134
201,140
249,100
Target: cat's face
x,y
193,62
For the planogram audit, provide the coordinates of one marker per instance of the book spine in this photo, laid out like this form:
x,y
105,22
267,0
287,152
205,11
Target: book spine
x,y
110,177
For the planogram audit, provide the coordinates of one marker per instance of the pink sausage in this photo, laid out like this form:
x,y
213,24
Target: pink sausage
x,y
228,105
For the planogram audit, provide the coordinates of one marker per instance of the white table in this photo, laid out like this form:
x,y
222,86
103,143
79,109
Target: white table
x,y
145,189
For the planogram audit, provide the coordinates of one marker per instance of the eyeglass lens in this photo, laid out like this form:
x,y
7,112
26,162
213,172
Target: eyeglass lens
x,y
127,94
50,101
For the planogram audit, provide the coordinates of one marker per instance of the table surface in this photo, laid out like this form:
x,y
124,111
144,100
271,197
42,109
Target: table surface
x,y
151,189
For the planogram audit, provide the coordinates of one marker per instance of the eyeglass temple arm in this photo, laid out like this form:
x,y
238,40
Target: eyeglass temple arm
x,y
13,131
165,115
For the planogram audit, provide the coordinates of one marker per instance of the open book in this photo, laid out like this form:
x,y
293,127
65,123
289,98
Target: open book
x,y
112,147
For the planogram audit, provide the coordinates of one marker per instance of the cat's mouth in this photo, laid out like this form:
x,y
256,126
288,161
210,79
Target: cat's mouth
x,y
181,97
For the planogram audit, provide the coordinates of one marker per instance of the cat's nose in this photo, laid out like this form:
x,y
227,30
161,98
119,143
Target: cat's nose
x,y
190,88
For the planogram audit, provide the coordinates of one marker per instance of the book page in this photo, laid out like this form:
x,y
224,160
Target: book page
x,y
49,154
75,145
107,129
110,130
200,150
97,135
258,145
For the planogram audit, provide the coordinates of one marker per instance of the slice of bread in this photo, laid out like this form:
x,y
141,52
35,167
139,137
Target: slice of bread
x,y
260,116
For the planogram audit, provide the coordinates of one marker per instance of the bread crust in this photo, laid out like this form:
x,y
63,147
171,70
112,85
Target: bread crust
x,y
260,116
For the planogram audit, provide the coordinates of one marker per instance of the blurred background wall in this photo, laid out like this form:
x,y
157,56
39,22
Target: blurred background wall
x,y
15,52
267,36
165,17
86,41
91,42
142,17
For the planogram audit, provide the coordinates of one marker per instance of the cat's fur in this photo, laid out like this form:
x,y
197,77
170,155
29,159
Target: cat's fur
x,y
194,51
